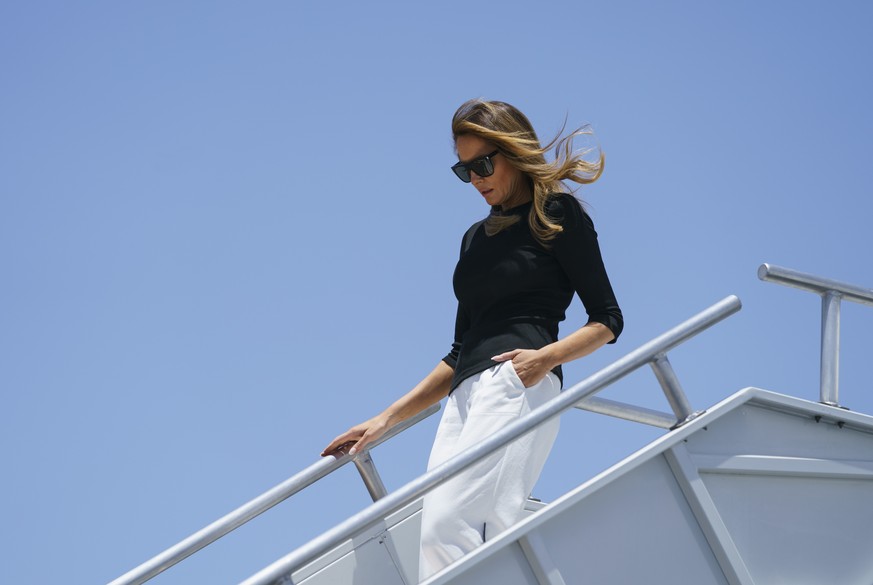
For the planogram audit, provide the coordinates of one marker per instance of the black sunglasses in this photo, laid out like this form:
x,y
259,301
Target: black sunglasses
x,y
482,166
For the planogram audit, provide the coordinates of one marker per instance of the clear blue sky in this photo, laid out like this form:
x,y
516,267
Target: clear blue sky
x,y
227,232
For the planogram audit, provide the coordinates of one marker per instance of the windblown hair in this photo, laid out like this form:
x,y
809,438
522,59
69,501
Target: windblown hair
x,y
513,135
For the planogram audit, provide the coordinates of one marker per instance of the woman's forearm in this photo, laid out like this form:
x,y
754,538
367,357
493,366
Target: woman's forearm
x,y
580,343
433,388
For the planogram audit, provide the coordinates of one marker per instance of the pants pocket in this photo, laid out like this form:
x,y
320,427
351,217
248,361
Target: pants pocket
x,y
512,375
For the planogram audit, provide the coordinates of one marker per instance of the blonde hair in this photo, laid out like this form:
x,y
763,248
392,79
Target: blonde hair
x,y
512,134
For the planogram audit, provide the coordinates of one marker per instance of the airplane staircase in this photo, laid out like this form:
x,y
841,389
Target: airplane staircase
x,y
761,488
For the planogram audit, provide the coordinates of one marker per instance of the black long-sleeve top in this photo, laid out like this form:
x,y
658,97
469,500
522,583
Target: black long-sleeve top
x,y
512,291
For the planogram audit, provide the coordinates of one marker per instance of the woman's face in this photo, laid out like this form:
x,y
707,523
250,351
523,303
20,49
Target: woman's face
x,y
506,187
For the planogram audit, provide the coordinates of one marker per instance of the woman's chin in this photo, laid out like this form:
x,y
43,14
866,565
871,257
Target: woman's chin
x,y
491,198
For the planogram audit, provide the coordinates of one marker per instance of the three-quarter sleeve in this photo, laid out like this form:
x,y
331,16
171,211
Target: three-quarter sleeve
x,y
578,252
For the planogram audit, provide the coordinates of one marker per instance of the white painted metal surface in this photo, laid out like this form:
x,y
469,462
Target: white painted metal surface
x,y
387,553
761,489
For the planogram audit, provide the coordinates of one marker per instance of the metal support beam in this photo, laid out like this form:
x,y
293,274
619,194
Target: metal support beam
x,y
830,348
705,511
537,554
629,412
672,388
367,469
775,466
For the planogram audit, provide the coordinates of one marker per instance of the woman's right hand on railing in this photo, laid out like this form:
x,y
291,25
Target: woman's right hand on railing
x,y
359,436
431,390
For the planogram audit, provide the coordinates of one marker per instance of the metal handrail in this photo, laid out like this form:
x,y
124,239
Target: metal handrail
x,y
817,284
373,514
267,500
831,292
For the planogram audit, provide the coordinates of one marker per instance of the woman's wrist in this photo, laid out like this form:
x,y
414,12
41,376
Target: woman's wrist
x,y
551,356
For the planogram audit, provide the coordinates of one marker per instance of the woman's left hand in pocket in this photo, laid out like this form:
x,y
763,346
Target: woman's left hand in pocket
x,y
531,365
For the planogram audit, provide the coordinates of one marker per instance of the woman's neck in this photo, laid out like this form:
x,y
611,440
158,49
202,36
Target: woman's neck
x,y
519,197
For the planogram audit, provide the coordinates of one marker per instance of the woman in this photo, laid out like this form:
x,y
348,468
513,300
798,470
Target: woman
x,y
515,278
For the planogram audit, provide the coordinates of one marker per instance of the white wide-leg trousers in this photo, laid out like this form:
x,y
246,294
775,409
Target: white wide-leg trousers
x,y
488,497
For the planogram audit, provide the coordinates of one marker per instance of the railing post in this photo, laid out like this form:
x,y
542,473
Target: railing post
x,y
830,347
832,293
672,388
367,469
